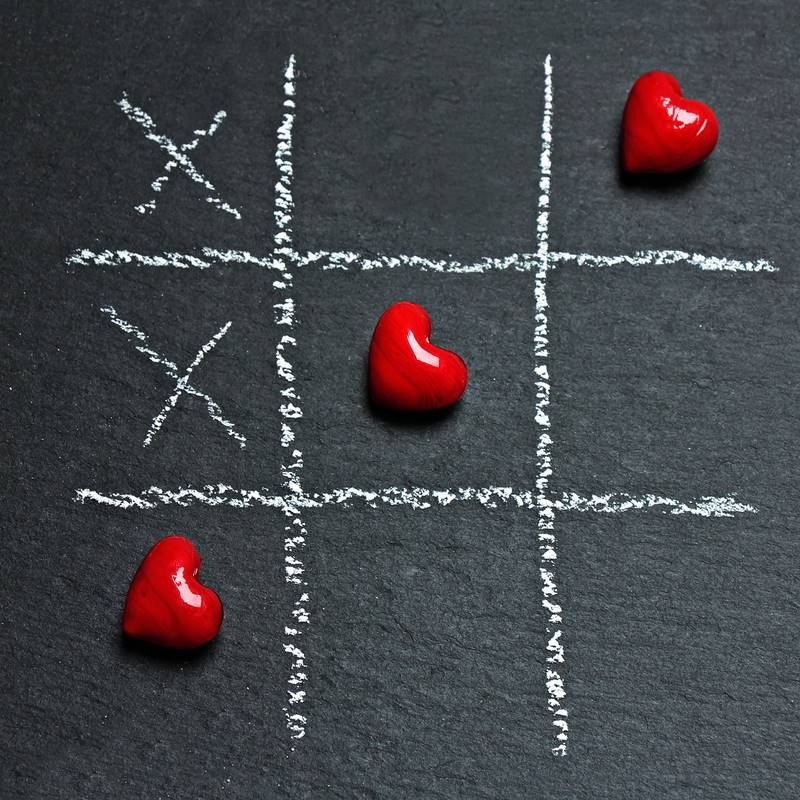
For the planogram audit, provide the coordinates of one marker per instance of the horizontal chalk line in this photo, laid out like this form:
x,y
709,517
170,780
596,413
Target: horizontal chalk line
x,y
346,261
416,498
116,258
664,258
616,503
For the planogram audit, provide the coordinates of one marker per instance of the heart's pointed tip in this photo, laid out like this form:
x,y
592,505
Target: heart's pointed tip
x,y
131,625
152,633
630,164
158,647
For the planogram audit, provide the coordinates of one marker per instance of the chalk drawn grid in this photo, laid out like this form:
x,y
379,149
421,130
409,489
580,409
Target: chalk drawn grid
x,y
284,259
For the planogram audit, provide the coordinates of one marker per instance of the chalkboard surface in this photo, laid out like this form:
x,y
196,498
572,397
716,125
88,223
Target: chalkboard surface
x,y
581,582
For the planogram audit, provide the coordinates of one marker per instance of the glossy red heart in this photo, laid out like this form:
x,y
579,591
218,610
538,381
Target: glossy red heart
x,y
166,604
662,131
407,372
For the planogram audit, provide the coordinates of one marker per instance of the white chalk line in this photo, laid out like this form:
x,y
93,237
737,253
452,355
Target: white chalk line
x,y
159,182
153,497
117,258
706,506
414,497
644,258
183,382
344,261
142,345
545,518
178,156
417,498
349,261
242,257
295,532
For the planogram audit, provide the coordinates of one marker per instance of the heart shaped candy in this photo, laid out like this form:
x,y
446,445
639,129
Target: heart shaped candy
x,y
407,372
166,604
662,131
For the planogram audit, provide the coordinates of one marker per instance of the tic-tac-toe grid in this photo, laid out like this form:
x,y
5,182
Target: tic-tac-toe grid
x,y
285,258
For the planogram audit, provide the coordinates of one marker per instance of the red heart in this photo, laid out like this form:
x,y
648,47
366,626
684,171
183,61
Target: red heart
x,y
407,372
662,131
166,604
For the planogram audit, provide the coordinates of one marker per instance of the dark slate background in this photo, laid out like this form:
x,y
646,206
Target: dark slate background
x,y
416,132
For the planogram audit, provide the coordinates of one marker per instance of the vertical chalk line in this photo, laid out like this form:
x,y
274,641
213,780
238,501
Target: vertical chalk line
x,y
295,533
556,693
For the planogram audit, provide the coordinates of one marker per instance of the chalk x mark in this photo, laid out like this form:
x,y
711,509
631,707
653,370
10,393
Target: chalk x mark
x,y
178,156
142,344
